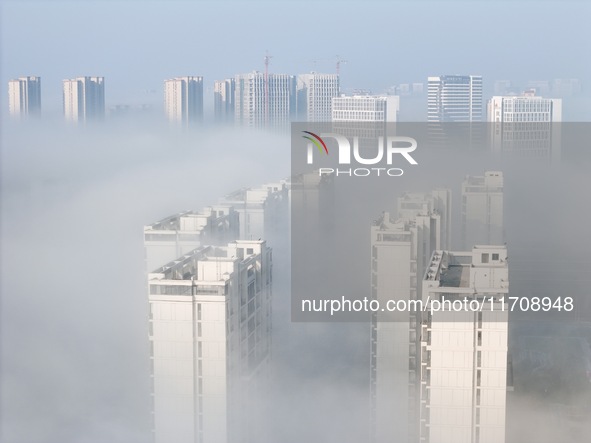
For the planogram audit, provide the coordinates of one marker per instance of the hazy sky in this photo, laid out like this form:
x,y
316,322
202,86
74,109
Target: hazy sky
x,y
137,44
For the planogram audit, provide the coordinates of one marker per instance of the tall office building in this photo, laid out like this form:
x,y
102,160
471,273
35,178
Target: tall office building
x,y
401,250
183,100
482,210
24,96
224,92
524,125
463,355
84,99
454,98
180,233
314,96
210,326
262,102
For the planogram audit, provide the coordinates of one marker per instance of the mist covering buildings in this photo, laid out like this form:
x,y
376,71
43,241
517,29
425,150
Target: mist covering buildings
x,y
76,352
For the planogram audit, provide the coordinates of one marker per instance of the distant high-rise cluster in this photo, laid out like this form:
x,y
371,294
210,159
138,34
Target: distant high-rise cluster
x,y
267,100
24,96
183,100
84,99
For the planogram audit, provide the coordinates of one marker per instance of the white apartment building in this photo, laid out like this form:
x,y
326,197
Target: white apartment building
x,y
392,413
180,233
183,99
524,125
210,326
24,96
401,251
454,98
314,96
482,210
262,102
463,357
84,99
224,92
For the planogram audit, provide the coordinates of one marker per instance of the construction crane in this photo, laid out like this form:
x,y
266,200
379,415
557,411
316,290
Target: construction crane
x,y
267,60
339,61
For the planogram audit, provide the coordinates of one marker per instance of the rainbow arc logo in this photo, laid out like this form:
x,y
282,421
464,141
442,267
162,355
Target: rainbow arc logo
x,y
316,140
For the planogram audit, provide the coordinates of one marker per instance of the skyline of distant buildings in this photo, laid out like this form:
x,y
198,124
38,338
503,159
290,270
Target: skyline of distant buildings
x,y
274,100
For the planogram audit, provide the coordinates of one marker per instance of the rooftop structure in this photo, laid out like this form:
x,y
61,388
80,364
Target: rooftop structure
x,y
263,211
180,233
